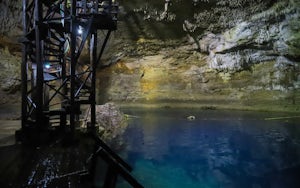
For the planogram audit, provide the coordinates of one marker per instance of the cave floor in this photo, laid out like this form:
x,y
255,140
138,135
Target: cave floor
x,y
54,165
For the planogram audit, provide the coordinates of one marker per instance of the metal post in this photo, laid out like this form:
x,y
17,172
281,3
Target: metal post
x,y
24,68
39,65
93,84
110,177
63,116
73,65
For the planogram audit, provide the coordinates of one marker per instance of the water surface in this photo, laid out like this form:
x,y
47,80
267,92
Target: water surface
x,y
217,149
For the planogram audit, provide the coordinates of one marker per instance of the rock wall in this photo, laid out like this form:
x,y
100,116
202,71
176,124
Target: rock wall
x,y
269,35
180,78
10,50
10,16
229,53
220,54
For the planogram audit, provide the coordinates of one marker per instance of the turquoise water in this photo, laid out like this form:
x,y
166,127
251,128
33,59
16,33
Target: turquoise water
x,y
217,149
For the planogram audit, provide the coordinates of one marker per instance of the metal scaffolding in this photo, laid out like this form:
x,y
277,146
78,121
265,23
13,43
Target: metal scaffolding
x,y
59,62
56,79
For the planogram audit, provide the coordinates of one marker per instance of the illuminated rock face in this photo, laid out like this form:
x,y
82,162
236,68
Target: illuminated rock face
x,y
188,80
233,53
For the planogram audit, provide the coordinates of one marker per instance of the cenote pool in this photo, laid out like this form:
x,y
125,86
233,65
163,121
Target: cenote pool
x,y
217,149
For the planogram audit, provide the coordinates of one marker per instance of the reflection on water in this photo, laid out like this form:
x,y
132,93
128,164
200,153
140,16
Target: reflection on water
x,y
217,149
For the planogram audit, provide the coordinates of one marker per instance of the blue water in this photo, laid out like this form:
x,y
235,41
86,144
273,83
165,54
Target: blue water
x,y
217,149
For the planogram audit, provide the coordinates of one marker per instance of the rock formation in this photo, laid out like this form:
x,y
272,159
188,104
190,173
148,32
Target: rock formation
x,y
10,50
226,53
231,54
111,123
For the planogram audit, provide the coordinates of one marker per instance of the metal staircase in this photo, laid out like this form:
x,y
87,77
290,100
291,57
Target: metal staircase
x,y
56,81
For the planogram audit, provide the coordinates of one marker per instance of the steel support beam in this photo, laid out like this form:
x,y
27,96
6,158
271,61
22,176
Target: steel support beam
x,y
73,64
39,65
24,67
93,84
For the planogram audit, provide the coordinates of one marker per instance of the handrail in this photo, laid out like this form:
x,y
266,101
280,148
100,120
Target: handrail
x,y
115,168
116,157
116,165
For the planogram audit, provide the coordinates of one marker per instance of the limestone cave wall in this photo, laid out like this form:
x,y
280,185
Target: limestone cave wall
x,y
10,50
206,53
226,53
